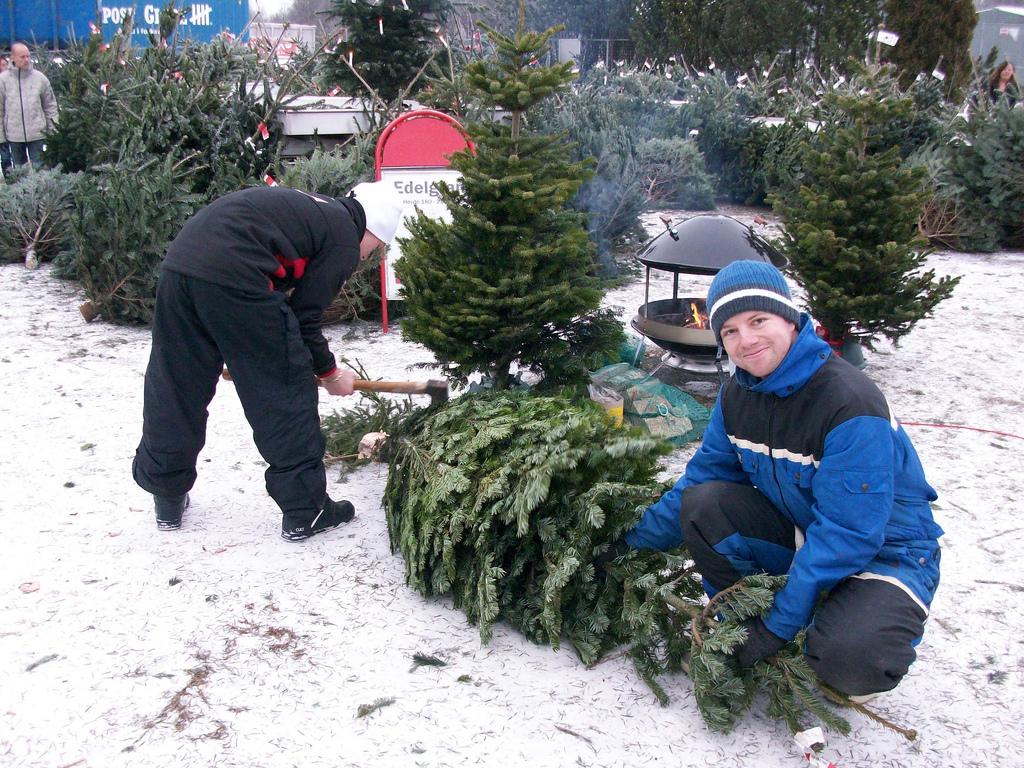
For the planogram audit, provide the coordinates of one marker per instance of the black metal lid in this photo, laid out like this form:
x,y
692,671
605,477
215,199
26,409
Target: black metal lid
x,y
705,244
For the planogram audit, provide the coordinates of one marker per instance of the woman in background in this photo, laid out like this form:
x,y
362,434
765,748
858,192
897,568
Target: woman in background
x,y
1003,85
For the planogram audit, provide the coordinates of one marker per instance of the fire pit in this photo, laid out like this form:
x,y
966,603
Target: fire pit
x,y
679,325
701,245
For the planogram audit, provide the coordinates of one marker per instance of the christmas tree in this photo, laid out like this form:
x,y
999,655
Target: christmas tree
x,y
933,36
388,43
851,229
502,499
508,281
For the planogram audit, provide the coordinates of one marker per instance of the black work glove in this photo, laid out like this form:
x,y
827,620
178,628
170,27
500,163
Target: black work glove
x,y
760,644
618,548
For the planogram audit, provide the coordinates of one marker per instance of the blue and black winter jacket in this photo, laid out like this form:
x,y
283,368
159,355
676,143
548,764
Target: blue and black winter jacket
x,y
817,438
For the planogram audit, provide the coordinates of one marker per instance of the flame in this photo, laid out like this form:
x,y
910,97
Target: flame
x,y
700,319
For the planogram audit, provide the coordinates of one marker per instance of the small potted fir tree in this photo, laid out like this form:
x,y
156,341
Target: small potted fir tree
x,y
850,229
508,283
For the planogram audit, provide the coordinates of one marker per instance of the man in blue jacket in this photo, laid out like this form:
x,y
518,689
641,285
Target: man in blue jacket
x,y
805,471
245,284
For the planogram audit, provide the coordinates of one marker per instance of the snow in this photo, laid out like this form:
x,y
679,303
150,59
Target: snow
x,y
221,644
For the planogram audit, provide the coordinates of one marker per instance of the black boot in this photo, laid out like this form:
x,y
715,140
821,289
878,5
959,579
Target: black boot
x,y
331,516
169,510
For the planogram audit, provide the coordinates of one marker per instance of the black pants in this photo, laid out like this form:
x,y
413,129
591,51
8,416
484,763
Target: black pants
x,y
22,152
862,636
199,327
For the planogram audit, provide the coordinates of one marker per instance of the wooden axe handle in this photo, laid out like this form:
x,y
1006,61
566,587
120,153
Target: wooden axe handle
x,y
400,387
403,387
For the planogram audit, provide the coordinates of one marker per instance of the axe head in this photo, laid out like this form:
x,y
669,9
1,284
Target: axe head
x,y
438,391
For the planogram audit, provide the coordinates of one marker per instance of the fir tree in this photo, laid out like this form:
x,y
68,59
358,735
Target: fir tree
x,y
739,33
192,102
34,208
838,30
502,499
933,35
594,22
723,690
125,215
984,175
851,229
389,42
506,281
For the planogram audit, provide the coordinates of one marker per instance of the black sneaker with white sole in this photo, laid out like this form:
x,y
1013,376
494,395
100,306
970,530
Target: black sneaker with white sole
x,y
169,510
333,514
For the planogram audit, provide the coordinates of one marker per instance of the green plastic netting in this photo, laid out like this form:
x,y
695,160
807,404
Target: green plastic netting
x,y
661,409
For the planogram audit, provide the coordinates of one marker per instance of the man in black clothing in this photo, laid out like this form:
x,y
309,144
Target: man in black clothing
x,y
244,284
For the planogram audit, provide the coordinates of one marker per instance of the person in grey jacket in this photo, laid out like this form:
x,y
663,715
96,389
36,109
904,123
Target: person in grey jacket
x,y
5,153
28,108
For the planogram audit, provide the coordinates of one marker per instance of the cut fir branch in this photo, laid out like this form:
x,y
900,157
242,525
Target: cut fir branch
x,y
426,660
366,710
675,628
722,690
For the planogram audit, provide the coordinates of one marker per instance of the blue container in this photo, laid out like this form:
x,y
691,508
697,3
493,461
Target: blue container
x,y
45,22
55,23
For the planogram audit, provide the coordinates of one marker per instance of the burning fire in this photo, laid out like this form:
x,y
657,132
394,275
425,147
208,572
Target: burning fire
x,y
698,310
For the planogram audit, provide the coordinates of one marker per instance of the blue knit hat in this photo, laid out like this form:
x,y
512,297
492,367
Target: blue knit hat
x,y
743,286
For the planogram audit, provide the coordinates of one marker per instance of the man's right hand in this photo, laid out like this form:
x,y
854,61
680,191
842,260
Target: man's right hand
x,y
338,383
761,643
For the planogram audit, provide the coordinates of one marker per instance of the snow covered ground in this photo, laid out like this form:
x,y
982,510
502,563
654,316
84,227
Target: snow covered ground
x,y
223,645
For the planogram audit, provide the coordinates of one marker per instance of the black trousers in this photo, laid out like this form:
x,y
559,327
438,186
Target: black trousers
x,y
197,329
22,152
862,636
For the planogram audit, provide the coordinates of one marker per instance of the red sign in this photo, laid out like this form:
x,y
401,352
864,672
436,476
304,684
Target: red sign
x,y
414,152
